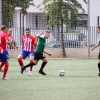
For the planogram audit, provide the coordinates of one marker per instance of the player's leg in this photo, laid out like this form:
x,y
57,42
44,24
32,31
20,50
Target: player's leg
x,y
5,71
99,64
28,65
35,61
4,59
31,57
20,58
42,66
2,63
20,61
43,58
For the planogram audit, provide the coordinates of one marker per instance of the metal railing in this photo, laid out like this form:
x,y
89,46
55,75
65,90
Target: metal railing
x,y
73,38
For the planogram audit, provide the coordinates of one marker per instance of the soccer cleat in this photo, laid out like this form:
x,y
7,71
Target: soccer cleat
x,y
30,73
5,78
41,72
22,74
22,71
1,70
99,74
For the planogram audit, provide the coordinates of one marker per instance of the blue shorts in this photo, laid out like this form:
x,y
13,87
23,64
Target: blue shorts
x,y
7,52
3,57
26,54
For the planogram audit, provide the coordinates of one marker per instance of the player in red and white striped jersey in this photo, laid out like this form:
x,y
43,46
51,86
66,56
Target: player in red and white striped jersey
x,y
3,57
28,45
10,38
11,46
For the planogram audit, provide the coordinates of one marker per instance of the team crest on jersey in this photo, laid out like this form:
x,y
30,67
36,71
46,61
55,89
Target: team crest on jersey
x,y
26,43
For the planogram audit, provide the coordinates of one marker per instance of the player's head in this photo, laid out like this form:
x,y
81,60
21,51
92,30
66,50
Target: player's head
x,y
98,29
27,31
47,34
3,28
9,31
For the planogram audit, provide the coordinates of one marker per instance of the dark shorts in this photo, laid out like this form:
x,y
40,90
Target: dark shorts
x,y
99,56
38,55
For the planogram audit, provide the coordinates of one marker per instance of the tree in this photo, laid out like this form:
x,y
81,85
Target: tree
x,y
8,8
60,12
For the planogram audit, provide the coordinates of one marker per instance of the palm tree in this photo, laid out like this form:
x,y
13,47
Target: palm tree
x,y
58,12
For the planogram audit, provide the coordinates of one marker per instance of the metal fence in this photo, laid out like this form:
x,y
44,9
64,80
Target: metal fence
x,y
79,38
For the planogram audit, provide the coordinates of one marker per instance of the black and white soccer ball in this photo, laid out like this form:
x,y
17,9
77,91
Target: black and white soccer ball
x,y
61,73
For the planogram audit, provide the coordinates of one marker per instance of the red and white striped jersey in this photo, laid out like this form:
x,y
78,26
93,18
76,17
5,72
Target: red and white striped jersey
x,y
10,38
28,43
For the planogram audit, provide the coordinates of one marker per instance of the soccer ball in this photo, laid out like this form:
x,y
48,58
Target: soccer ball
x,y
61,73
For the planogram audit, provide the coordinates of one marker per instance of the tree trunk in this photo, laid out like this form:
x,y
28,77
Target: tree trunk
x,y
62,40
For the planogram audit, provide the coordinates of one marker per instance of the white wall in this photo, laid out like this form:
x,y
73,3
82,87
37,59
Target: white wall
x,y
84,5
31,20
94,11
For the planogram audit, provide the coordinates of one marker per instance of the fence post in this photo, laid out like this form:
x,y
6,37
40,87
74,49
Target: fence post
x,y
89,29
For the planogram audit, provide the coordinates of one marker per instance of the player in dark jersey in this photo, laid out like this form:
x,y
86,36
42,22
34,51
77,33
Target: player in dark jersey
x,y
38,52
98,45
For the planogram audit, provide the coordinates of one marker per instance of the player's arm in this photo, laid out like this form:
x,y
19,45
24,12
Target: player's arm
x,y
98,44
22,44
13,44
37,36
8,42
47,53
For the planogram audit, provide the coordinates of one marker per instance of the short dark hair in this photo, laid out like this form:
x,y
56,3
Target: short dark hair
x,y
3,27
99,27
27,29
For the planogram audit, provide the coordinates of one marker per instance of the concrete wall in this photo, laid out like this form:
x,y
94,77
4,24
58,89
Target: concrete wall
x,y
57,53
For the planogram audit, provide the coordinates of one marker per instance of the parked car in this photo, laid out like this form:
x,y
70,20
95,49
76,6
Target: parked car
x,y
67,44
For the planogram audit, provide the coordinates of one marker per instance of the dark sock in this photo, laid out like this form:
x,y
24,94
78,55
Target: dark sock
x,y
42,66
29,65
99,67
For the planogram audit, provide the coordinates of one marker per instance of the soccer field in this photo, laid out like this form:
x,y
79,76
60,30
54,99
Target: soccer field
x,y
81,81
